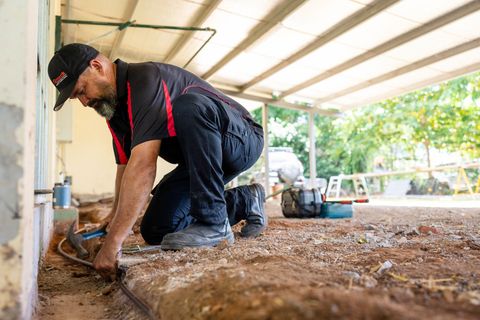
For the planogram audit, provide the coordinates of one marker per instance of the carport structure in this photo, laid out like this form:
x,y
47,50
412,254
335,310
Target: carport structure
x,y
318,56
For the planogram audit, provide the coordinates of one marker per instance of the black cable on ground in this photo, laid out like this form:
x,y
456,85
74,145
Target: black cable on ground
x,y
139,303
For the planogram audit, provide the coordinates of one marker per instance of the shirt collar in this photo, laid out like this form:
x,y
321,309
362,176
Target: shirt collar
x,y
122,68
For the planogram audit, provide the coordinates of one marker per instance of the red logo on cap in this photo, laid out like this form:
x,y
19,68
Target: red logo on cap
x,y
59,79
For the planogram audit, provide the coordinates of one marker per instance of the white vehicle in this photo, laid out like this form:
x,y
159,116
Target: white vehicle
x,y
284,164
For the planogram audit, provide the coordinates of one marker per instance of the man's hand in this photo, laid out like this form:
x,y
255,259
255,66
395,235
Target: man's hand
x,y
106,261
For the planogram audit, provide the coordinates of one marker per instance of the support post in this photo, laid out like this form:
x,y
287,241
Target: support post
x,y
266,148
313,151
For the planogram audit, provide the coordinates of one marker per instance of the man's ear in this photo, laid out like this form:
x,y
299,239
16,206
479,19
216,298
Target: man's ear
x,y
97,65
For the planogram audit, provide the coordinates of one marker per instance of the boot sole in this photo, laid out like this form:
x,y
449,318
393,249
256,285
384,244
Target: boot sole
x,y
253,234
178,246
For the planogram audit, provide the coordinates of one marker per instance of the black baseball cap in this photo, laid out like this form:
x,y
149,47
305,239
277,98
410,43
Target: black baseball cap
x,y
66,66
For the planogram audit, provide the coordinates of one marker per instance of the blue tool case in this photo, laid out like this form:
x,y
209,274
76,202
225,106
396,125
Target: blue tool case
x,y
336,210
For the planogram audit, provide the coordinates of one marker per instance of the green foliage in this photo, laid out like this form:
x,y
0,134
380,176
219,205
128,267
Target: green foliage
x,y
444,117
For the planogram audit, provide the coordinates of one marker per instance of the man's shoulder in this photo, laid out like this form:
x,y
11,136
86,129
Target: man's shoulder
x,y
141,70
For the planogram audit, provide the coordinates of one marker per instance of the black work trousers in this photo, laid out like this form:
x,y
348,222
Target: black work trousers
x,y
214,143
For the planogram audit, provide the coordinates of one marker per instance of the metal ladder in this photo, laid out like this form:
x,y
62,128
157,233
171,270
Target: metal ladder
x,y
335,186
360,186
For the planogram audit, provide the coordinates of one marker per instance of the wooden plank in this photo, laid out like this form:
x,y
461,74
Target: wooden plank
x,y
469,165
433,24
335,31
117,43
188,35
422,84
263,27
405,69
278,103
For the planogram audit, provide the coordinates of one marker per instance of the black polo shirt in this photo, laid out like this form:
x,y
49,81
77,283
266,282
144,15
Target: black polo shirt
x,y
145,93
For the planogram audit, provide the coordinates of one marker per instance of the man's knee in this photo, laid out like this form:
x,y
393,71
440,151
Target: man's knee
x,y
153,235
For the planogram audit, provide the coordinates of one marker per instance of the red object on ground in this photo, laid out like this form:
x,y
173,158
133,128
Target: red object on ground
x,y
427,230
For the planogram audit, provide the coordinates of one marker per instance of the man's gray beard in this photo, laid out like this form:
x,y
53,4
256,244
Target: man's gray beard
x,y
105,110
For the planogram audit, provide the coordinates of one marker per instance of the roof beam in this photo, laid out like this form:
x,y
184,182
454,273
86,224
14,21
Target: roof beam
x,y
422,84
202,17
276,16
278,103
117,43
436,23
335,31
405,69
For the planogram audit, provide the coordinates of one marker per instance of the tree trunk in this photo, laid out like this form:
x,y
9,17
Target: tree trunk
x,y
426,143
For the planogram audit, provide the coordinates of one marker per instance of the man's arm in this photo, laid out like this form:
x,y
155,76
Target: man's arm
x,y
118,181
135,186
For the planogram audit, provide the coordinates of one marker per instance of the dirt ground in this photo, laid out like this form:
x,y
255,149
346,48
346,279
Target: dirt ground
x,y
392,264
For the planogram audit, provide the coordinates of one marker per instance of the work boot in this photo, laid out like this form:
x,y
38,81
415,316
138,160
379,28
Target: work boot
x,y
256,218
198,234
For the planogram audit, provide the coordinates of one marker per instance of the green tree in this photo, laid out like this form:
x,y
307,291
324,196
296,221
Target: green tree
x,y
444,117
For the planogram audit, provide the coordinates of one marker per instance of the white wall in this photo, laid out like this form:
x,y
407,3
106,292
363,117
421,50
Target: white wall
x,y
18,20
89,158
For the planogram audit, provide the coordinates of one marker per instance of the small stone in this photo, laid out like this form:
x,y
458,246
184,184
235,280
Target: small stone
x,y
368,281
370,237
402,240
205,309
223,261
362,240
385,244
385,266
334,308
370,227
278,301
448,295
222,245
256,303
427,230
351,274
107,290
389,235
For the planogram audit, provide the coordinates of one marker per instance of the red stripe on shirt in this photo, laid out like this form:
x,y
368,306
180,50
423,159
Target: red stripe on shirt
x,y
170,123
121,153
129,103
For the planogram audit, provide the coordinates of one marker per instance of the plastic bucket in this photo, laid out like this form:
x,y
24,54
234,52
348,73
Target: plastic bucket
x,y
61,196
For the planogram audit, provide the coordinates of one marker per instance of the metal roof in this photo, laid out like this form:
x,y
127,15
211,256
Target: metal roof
x,y
308,54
